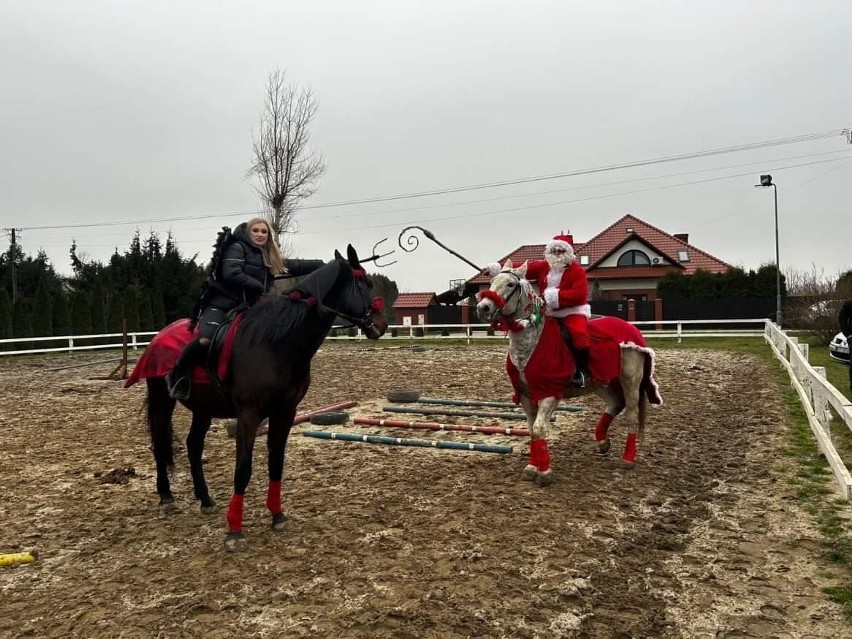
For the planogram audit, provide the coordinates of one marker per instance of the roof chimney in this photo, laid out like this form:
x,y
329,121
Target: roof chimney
x,y
683,237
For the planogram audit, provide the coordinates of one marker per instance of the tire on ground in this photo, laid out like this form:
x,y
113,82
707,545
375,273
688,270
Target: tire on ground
x,y
403,395
330,417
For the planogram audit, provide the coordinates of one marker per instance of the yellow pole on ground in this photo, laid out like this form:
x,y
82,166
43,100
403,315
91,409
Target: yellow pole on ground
x,y
15,558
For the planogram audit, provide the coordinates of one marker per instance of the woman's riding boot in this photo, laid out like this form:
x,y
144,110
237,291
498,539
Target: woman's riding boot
x,y
581,376
178,380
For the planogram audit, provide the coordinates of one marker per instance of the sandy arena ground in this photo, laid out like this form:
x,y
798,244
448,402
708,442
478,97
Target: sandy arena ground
x,y
701,539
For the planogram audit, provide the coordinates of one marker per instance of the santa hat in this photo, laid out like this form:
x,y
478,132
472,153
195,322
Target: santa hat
x,y
563,241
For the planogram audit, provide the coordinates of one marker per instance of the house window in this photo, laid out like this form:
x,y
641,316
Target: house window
x,y
633,258
683,256
584,260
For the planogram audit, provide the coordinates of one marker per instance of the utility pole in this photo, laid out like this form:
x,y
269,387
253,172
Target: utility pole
x,y
13,255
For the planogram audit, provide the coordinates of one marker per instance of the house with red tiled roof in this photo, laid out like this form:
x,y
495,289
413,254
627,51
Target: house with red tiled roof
x,y
413,308
624,261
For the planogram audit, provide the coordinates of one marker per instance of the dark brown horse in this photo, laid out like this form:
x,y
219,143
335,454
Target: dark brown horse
x,y
268,375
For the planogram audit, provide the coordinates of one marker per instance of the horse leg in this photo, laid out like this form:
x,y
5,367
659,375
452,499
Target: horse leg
x,y
194,450
538,468
159,411
276,446
247,422
632,371
614,398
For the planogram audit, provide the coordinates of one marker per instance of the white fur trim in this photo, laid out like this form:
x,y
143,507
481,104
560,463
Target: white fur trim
x,y
569,250
583,309
551,298
493,268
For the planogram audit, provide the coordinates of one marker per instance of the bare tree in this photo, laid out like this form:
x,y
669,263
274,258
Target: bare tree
x,y
285,167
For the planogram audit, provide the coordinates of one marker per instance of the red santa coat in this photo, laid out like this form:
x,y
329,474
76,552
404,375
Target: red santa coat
x,y
573,287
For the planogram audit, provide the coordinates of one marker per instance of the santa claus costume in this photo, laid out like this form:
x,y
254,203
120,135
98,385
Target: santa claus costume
x,y
563,284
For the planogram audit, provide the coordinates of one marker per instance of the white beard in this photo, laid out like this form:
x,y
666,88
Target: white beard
x,y
558,263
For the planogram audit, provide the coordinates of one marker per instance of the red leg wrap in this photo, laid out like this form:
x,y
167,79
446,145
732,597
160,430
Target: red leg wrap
x,y
630,448
603,426
273,497
235,513
539,457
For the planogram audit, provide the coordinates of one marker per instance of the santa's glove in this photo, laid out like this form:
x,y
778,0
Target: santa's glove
x,y
493,268
551,298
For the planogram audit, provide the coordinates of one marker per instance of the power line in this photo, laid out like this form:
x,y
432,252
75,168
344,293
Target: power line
x,y
808,137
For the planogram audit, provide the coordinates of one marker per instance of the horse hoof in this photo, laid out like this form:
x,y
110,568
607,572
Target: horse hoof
x,y
544,478
236,542
603,447
279,521
530,473
169,507
210,509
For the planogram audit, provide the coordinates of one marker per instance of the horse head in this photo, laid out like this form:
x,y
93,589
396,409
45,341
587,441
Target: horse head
x,y
508,296
357,304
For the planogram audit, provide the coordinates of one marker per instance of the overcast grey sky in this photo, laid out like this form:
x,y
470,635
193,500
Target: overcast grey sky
x,y
122,113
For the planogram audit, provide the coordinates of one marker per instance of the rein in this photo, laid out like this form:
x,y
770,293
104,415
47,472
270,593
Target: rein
x,y
506,322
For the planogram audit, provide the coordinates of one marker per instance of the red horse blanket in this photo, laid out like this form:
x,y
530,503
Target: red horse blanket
x,y
163,351
549,370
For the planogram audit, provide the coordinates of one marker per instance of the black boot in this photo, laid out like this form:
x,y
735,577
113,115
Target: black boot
x,y
581,377
177,380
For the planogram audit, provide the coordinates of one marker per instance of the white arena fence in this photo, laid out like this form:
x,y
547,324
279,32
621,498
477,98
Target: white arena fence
x,y
821,402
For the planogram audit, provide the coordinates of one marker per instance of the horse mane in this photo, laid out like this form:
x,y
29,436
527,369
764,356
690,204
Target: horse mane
x,y
272,320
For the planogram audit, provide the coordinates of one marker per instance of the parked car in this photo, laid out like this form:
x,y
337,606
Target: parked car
x,y
838,348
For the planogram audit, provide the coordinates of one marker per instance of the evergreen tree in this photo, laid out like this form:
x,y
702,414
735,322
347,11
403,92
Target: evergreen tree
x,y
674,285
146,314
22,324
6,331
116,313
81,314
42,313
131,309
99,309
158,306
61,315
702,286
844,284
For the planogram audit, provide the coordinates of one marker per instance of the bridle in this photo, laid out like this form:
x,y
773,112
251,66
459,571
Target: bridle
x,y
365,322
503,319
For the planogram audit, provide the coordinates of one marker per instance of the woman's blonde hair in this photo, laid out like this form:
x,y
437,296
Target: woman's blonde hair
x,y
271,255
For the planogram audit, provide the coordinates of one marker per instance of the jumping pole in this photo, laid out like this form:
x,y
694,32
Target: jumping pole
x,y
468,428
16,558
482,402
399,441
489,404
450,411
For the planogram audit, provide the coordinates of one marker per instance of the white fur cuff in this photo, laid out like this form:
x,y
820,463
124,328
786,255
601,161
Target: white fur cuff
x,y
551,297
493,268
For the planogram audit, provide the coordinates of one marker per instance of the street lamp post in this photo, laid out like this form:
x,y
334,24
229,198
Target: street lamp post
x,y
766,181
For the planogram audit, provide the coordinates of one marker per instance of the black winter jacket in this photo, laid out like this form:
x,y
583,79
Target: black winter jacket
x,y
241,275
846,318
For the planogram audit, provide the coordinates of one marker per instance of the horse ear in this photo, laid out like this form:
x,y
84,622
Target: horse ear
x,y
522,270
337,255
353,257
508,265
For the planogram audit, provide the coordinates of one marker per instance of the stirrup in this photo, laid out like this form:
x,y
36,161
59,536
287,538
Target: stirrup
x,y
580,378
178,388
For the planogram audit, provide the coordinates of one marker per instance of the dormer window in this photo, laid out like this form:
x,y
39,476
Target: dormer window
x,y
683,256
584,260
633,258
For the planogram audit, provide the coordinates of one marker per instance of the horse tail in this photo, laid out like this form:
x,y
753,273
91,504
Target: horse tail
x,y
159,407
649,381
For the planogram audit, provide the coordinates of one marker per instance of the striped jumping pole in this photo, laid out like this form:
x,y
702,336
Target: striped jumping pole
x,y
306,416
450,411
400,441
478,402
468,428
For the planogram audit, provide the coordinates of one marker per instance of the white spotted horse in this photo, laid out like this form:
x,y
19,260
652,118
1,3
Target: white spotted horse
x,y
540,366
268,356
